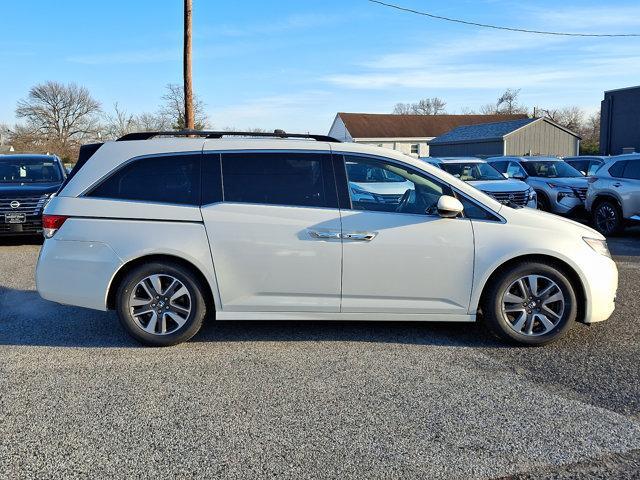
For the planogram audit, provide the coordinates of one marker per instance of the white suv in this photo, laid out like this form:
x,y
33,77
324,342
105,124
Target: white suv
x,y
166,230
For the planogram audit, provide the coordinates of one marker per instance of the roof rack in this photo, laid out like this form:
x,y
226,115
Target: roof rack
x,y
214,134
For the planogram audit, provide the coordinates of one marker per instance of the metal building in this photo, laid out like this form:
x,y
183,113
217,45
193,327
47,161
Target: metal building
x,y
620,121
529,136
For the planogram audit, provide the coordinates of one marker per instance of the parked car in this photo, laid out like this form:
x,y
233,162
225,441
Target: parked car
x,y
613,198
483,176
560,188
586,164
371,184
26,183
168,230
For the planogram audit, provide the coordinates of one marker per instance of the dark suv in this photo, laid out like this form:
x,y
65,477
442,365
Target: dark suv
x,y
26,183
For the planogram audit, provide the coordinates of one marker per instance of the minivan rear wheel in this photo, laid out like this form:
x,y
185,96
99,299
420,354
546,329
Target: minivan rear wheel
x,y
533,303
161,304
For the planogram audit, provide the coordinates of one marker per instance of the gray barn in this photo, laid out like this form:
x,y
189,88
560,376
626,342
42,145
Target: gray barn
x,y
529,136
620,121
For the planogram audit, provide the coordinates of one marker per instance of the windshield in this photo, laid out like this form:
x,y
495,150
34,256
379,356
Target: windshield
x,y
551,169
472,171
364,173
17,169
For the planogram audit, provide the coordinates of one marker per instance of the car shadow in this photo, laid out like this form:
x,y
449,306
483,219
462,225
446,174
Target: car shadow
x,y
626,244
28,320
17,240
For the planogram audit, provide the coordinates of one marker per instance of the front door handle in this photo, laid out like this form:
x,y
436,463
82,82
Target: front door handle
x,y
360,236
617,184
325,234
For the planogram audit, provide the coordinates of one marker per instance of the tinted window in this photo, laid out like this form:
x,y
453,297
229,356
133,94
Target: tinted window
x,y
211,179
581,165
470,171
296,179
162,179
389,187
500,166
474,211
616,169
632,170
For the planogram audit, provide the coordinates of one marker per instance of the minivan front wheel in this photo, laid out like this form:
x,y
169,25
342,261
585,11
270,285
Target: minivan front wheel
x,y
532,304
161,304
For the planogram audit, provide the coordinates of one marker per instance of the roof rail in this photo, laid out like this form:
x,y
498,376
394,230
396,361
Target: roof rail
x,y
214,134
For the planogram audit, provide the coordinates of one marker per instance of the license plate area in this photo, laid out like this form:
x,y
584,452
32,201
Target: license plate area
x,y
15,217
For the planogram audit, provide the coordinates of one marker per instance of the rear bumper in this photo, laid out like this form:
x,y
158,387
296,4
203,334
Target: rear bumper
x,y
76,272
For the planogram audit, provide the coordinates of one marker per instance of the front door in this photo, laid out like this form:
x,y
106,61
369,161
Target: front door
x,y
399,255
275,231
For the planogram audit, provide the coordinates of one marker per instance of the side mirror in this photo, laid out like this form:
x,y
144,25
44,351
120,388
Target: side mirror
x,y
518,176
505,175
449,207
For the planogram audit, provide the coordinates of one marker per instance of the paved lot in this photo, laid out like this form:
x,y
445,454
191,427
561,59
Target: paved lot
x,y
311,400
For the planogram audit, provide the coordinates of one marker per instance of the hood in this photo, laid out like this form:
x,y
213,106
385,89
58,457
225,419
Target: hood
x,y
499,186
577,182
11,190
384,188
549,222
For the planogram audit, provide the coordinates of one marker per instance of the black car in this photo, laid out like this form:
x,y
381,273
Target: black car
x,y
26,183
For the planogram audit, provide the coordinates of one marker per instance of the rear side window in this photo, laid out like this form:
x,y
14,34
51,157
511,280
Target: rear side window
x,y
291,179
158,179
616,169
632,170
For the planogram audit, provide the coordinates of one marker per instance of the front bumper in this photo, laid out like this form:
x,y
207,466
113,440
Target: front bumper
x,y
600,289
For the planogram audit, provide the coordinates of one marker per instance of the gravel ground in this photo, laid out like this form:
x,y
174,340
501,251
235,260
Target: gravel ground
x,y
79,399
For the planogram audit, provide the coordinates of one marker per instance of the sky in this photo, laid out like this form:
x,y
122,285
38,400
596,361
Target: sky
x,y
294,64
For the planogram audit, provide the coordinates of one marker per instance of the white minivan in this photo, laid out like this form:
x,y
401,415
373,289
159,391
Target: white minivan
x,y
166,228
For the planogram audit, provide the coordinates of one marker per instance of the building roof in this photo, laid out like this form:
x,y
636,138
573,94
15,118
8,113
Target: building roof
x,y
489,132
382,125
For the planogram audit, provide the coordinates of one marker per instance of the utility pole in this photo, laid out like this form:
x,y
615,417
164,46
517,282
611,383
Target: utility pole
x,y
189,122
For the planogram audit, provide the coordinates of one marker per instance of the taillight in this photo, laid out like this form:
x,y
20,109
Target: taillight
x,y
51,224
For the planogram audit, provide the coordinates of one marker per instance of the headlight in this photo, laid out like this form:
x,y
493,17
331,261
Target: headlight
x,y
567,194
599,246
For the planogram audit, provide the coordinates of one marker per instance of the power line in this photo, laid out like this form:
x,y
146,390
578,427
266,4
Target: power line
x,y
497,27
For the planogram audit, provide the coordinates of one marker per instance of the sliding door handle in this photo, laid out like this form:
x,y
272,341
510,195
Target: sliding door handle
x,y
325,235
360,236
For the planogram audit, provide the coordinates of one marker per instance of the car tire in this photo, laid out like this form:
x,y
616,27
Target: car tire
x,y
607,218
543,203
161,304
505,303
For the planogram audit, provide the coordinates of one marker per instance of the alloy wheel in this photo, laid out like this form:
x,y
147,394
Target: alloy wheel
x,y
160,304
606,218
533,305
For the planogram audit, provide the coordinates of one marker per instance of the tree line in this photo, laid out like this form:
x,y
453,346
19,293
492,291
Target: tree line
x,y
58,118
572,117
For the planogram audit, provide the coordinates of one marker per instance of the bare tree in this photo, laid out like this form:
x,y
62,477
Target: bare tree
x,y
425,106
402,109
569,117
151,122
173,109
506,104
118,123
61,115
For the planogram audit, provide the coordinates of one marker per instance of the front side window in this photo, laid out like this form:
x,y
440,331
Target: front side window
x,y
290,179
158,179
514,170
551,169
383,186
19,169
470,171
593,167
581,165
632,170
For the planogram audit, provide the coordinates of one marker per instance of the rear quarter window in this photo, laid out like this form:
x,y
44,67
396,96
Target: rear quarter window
x,y
617,169
159,179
